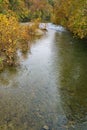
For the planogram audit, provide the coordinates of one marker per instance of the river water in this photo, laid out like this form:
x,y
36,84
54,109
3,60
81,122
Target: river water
x,y
49,88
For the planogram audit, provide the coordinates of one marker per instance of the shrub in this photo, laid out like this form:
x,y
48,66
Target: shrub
x,y
9,34
13,33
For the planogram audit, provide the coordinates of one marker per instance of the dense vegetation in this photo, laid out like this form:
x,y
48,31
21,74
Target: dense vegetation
x,y
69,13
12,12
73,15
27,9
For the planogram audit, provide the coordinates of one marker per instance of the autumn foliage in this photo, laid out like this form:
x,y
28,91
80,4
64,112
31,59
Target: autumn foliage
x,y
12,33
72,14
9,33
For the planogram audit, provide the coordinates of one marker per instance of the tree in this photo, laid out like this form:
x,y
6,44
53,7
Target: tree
x,y
72,14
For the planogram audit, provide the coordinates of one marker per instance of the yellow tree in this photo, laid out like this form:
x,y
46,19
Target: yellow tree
x,y
72,14
9,33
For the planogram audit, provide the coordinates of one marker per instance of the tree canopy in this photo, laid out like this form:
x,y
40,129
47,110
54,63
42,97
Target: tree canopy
x,y
27,9
72,14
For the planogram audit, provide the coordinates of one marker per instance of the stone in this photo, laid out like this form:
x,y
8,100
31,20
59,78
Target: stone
x,y
45,128
39,32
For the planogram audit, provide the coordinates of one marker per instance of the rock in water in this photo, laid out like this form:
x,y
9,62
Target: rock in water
x,y
39,32
45,128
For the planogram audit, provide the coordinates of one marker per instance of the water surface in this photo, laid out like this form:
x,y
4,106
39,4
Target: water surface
x,y
49,87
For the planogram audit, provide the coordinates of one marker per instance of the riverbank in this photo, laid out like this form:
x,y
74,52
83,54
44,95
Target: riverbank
x,y
17,39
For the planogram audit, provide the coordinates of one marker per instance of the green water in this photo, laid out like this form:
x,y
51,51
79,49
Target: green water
x,y
48,88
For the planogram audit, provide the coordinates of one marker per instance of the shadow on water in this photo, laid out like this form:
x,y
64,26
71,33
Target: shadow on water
x,y
48,88
73,78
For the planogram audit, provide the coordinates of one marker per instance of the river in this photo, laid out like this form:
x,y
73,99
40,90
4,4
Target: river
x,y
49,88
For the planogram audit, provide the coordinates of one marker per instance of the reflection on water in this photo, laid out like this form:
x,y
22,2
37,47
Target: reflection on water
x,y
49,86
73,78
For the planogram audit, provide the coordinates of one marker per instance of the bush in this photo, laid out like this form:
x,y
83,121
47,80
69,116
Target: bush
x,y
9,34
13,33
